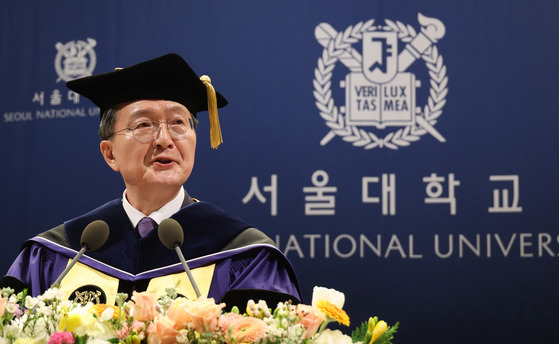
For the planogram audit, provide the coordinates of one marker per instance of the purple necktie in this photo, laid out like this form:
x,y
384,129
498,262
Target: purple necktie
x,y
145,226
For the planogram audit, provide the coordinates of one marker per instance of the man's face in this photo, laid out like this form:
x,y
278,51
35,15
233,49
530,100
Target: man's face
x,y
161,164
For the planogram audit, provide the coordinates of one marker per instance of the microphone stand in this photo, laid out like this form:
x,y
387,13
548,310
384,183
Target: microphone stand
x,y
188,273
70,266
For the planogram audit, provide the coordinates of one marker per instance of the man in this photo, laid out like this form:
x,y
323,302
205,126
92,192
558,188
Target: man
x,y
148,121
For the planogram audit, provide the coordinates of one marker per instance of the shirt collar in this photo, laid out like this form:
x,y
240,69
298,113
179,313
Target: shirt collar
x,y
159,215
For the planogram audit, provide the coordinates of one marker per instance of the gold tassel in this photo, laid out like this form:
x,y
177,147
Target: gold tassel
x,y
215,128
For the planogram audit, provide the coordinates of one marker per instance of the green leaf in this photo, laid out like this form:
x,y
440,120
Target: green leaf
x,y
358,335
80,339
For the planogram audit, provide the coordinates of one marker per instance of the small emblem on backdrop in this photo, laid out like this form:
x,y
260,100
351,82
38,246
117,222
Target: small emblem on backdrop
x,y
75,59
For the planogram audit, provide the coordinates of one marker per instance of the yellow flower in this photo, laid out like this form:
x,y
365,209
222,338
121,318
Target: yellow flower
x,y
134,339
69,322
379,329
376,328
333,311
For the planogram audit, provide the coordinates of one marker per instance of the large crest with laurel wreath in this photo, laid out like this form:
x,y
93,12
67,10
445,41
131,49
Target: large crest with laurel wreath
x,y
421,117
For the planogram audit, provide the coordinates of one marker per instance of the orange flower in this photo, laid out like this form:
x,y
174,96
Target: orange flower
x,y
333,311
162,331
200,315
101,307
228,319
247,329
3,305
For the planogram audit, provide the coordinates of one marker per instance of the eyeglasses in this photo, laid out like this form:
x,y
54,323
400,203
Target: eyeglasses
x,y
146,131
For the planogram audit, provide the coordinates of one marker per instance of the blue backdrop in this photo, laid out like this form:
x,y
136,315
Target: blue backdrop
x,y
403,152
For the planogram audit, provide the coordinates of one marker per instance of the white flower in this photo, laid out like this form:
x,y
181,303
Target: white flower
x,y
44,310
51,294
12,305
11,330
182,337
331,295
65,305
31,302
296,332
107,314
332,337
37,331
97,341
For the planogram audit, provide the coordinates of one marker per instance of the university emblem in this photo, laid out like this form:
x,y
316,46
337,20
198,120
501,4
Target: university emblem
x,y
88,293
381,108
75,59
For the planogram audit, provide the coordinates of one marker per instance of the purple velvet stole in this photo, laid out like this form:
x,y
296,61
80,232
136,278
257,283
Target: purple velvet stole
x,y
207,229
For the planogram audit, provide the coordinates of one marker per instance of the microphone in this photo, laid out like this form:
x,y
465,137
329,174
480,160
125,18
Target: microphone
x,y
171,235
94,236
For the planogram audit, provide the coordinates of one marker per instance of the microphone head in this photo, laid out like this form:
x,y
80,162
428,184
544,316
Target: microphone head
x,y
170,233
95,235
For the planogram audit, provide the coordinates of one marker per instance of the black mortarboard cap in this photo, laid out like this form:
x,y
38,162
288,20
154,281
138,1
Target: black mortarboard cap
x,y
168,77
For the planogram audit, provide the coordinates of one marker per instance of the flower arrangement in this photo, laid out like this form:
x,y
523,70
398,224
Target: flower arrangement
x,y
47,319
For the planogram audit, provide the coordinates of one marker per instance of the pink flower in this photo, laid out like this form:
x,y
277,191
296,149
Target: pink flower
x,y
311,318
162,331
138,326
200,315
122,333
61,338
144,306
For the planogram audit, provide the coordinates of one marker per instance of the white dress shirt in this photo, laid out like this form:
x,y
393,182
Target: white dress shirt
x,y
159,215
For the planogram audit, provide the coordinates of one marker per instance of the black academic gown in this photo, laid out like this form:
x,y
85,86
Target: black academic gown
x,y
230,260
